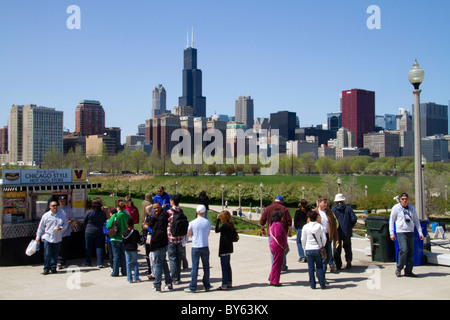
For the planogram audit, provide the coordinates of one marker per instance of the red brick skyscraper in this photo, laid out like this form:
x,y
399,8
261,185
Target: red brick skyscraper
x,y
89,118
358,112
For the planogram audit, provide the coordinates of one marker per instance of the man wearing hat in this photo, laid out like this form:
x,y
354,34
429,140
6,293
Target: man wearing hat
x,y
198,230
346,221
286,221
64,252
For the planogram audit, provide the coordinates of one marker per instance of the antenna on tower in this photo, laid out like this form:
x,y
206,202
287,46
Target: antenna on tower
x,y
187,39
192,37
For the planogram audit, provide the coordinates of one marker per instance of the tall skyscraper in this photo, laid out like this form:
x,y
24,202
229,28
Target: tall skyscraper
x,y
89,118
285,122
433,119
159,101
192,82
15,127
244,111
358,112
33,131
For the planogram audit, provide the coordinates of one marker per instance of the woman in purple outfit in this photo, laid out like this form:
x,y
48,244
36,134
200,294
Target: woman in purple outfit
x,y
278,245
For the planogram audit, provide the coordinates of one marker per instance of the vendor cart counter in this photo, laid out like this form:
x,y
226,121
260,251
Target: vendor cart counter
x,y
21,208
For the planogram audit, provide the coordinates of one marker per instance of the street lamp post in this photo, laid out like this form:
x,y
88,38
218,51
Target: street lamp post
x,y
176,187
239,195
303,192
416,76
339,184
261,186
223,188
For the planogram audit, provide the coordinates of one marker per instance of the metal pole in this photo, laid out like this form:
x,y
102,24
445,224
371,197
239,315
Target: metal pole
x,y
239,195
418,155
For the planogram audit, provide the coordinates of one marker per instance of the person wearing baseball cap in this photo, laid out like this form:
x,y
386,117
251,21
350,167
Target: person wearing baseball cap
x,y
198,230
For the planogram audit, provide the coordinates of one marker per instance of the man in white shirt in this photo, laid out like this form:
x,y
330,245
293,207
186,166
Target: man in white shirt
x,y
64,252
405,217
51,228
199,231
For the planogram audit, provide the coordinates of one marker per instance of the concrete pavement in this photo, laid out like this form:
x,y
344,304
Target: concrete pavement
x,y
368,280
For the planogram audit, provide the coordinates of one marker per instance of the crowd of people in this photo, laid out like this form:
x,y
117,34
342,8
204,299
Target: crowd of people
x,y
321,234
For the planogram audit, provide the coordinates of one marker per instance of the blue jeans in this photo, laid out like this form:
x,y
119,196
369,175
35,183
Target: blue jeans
x,y
329,260
315,261
301,253
175,254
160,267
132,263
51,253
94,241
119,259
226,270
197,254
406,251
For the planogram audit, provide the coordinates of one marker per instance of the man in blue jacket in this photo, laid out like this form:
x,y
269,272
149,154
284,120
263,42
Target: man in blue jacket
x,y
163,198
346,221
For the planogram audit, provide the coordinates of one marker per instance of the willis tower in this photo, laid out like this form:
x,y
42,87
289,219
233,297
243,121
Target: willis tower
x,y
192,82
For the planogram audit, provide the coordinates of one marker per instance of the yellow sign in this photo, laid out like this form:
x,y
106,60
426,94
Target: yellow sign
x,y
78,175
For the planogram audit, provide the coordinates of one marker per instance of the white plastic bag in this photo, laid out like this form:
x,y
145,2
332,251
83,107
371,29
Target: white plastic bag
x,y
32,248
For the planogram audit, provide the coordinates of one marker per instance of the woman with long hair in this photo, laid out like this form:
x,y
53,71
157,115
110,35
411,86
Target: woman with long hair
x,y
225,247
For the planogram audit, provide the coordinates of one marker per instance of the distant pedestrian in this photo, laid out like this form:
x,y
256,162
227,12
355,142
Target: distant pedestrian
x,y
131,239
346,221
300,219
227,232
405,218
199,230
313,238
51,228
204,200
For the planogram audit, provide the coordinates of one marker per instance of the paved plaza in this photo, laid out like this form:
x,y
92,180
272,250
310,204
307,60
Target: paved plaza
x,y
367,280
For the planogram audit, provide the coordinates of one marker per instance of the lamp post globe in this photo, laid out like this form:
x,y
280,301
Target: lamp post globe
x,y
416,75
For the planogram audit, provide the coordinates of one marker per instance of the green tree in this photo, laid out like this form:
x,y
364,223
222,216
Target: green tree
x,y
138,159
325,165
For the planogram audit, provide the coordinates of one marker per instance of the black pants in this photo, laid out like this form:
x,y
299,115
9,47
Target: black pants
x,y
345,243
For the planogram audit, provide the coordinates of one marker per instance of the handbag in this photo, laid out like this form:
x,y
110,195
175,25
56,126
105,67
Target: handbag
x,y
114,230
235,236
323,250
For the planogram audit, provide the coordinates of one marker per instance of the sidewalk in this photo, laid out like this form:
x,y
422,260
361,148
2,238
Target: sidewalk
x,y
250,261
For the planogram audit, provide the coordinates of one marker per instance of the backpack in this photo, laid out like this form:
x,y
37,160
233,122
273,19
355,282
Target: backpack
x,y
180,224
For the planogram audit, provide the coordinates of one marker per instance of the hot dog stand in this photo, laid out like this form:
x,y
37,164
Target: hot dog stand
x,y
24,198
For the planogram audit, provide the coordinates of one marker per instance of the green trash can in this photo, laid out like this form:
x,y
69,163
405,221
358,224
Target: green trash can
x,y
383,248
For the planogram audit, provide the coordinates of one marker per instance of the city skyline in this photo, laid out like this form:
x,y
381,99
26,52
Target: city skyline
x,y
297,56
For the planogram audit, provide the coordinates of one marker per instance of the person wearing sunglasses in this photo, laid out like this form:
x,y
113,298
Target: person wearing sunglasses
x,y
51,229
405,217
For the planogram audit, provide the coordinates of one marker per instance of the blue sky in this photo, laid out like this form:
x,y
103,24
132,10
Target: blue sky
x,y
289,55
